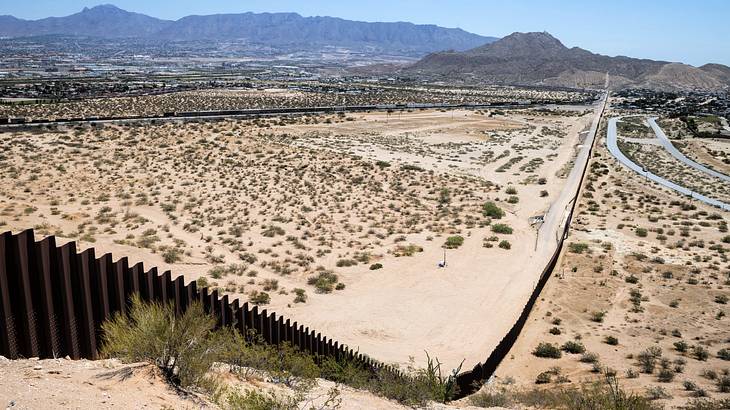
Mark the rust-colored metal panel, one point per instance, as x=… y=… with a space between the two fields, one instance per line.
x=133 y=279
x=22 y=246
x=163 y=287
x=100 y=291
x=8 y=333
x=66 y=256
x=46 y=251
x=85 y=312
x=118 y=286
x=147 y=285
x=178 y=294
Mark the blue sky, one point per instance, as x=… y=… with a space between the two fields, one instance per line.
x=695 y=32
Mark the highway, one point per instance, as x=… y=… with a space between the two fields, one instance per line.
x=664 y=141
x=553 y=227
x=611 y=143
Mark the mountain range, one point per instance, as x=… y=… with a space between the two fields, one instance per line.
x=270 y=29
x=541 y=59
x=520 y=58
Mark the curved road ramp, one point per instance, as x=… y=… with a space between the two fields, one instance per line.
x=667 y=144
x=612 y=144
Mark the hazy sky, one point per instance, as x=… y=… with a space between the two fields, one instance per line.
x=695 y=32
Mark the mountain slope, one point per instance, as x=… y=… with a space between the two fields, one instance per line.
x=100 y=21
x=539 y=58
x=291 y=28
x=269 y=29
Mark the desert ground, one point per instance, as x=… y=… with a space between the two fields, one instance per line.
x=641 y=290
x=109 y=384
x=337 y=222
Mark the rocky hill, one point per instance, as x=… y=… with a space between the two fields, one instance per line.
x=268 y=29
x=540 y=58
x=101 y=21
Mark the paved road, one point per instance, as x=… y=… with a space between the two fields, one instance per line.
x=678 y=154
x=616 y=152
x=552 y=228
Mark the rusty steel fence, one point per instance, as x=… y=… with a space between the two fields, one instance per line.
x=54 y=299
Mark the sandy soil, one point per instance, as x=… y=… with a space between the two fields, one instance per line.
x=109 y=384
x=262 y=206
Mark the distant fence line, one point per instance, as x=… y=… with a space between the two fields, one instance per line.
x=273 y=111
x=53 y=301
x=471 y=381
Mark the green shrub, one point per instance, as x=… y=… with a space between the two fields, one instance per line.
x=543 y=378
x=453 y=242
x=573 y=347
x=172 y=255
x=598 y=316
x=501 y=228
x=603 y=394
x=577 y=247
x=301 y=295
x=724 y=354
x=255 y=400
x=641 y=232
x=259 y=298
x=681 y=346
x=184 y=347
x=547 y=350
x=344 y=263
x=491 y=210
x=723 y=384
x=376 y=266
x=324 y=282
x=700 y=353
x=611 y=340
x=504 y=244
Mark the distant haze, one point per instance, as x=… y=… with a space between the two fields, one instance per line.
x=671 y=30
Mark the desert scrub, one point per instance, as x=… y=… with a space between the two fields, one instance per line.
x=184 y=347
x=504 y=244
x=301 y=295
x=407 y=250
x=578 y=247
x=259 y=298
x=502 y=228
x=324 y=282
x=491 y=210
x=376 y=266
x=573 y=347
x=420 y=387
x=344 y=263
x=605 y=393
x=256 y=400
x=172 y=255
x=453 y=242
x=547 y=350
